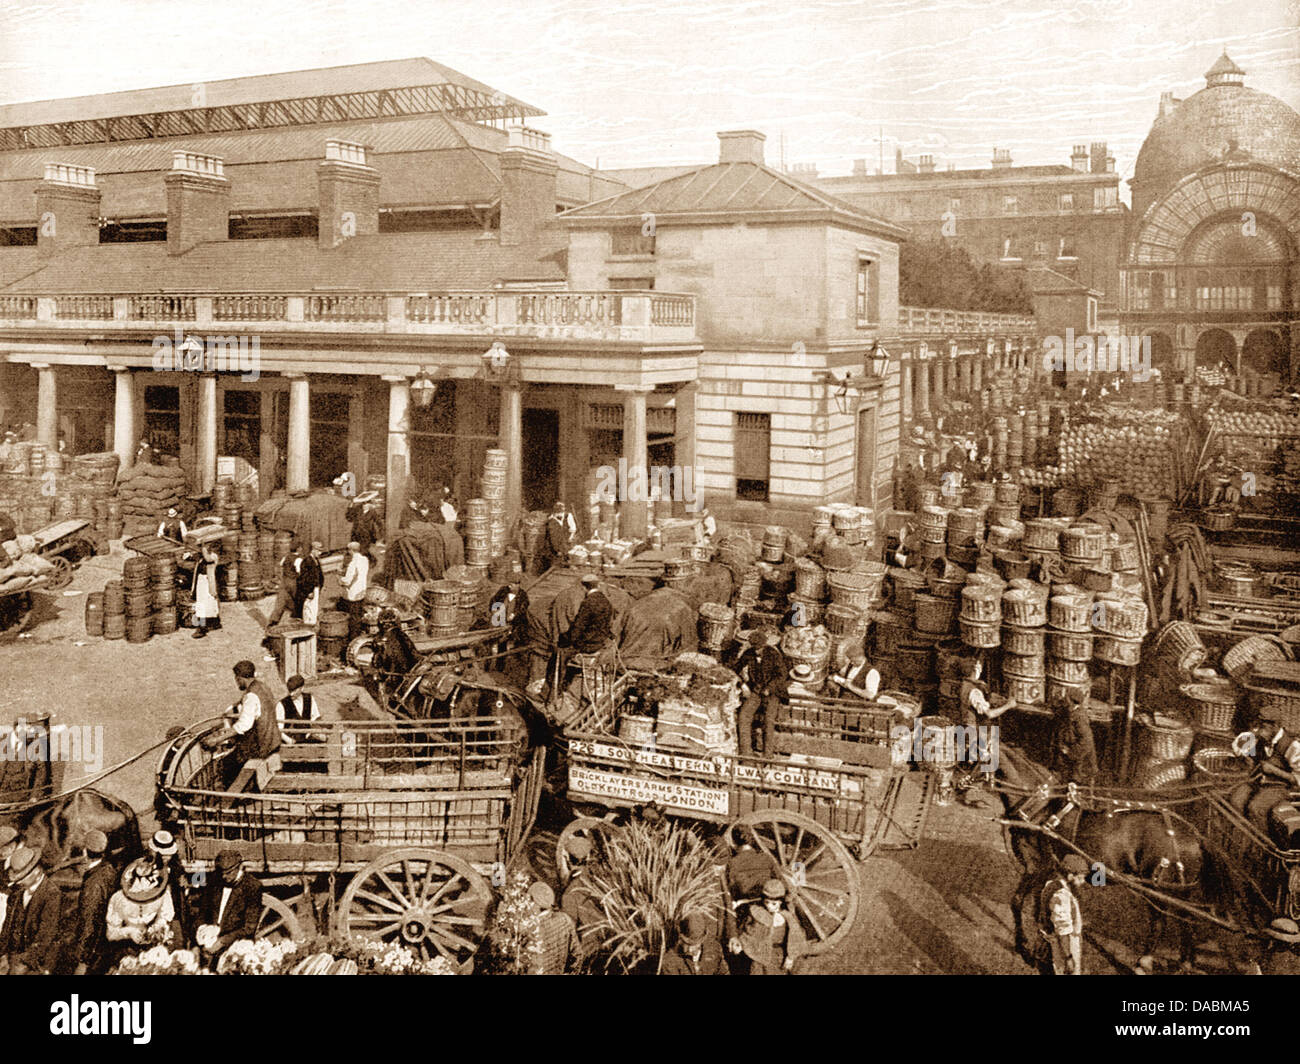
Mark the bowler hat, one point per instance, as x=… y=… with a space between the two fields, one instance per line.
x=774 y=888
x=542 y=894
x=1284 y=929
x=1074 y=864
x=229 y=860
x=590 y=580
x=24 y=862
x=7 y=835
x=694 y=930
x=163 y=843
x=143 y=881
x=94 y=841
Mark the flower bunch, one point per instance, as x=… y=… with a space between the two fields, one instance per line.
x=389 y=958
x=514 y=944
x=160 y=961
x=263 y=957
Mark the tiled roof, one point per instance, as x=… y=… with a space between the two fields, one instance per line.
x=738 y=188
x=383 y=262
x=358 y=77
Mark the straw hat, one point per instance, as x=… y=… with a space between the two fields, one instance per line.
x=143 y=882
x=24 y=863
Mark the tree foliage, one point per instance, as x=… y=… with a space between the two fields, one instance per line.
x=939 y=273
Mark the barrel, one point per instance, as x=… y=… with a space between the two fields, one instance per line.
x=229 y=582
x=138 y=604
x=332 y=623
x=95 y=613
x=163 y=597
x=139 y=629
x=114 y=626
x=135 y=569
x=248 y=551
x=114 y=599
x=223 y=493
x=164 y=621
x=162 y=571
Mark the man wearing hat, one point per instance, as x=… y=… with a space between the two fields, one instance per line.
x=172 y=527
x=311 y=578
x=164 y=853
x=367 y=528
x=1061 y=919
x=697 y=951
x=770 y=934
x=1074 y=751
x=557 y=538
x=231 y=906
x=763 y=669
x=254 y=729
x=286 y=598
x=98 y=884
x=297 y=707
x=31 y=932
x=593 y=628
x=1282 y=951
x=355 y=579
x=10 y=840
x=141 y=912
x=561 y=949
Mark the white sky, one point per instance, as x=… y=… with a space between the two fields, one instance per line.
x=643 y=83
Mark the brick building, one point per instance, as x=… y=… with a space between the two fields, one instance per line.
x=1210 y=269
x=1065 y=218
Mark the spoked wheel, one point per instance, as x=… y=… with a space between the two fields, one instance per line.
x=584 y=827
x=431 y=902
x=819 y=873
x=61 y=575
x=278 y=920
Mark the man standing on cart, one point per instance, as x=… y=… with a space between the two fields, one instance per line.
x=764 y=671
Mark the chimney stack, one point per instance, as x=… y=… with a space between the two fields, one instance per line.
x=1001 y=158
x=198 y=201
x=347 y=194
x=925 y=165
x=527 y=184
x=67 y=207
x=1079 y=159
x=741 y=146
x=1099 y=157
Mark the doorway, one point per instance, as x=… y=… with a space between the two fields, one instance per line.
x=541 y=458
x=866 y=473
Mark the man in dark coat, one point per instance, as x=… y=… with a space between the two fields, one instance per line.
x=287 y=597
x=556 y=539
x=593 y=627
x=697 y=952
x=31 y=933
x=310 y=576
x=89 y=954
x=231 y=907
x=1074 y=751
x=765 y=671
x=367 y=528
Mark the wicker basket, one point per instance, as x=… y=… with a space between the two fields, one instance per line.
x=981 y=605
x=809 y=579
x=861 y=591
x=934 y=614
x=717 y=624
x=844 y=620
x=1012 y=564
x=1025 y=666
x=1069 y=646
x=945 y=580
x=1042 y=534
x=1272 y=702
x=1083 y=543
x=1120 y=615
x=1026 y=609
x=1220 y=765
x=1026 y=690
x=1218 y=520
x=1178 y=648
x=1070 y=613
x=1017 y=639
x=980 y=633
x=1212 y=705
x=1153 y=773
x=906 y=583
x=888 y=632
x=1068 y=672
x=1057 y=689
x=1240 y=660
x=1166 y=739
x=1117 y=651
x=914 y=662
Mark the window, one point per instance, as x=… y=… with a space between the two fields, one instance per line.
x=18 y=236
x=1106 y=196
x=1009 y=250
x=1066 y=248
x=275 y=227
x=753 y=448
x=1066 y=202
x=954 y=204
x=329 y=436
x=632 y=242
x=867 y=291
x=1040 y=249
x=1010 y=205
x=1139 y=296
x=134 y=232
x=162 y=419
x=1157 y=291
x=242 y=410
x=631 y=284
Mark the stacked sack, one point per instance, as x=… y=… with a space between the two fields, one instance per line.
x=146 y=491
x=20 y=566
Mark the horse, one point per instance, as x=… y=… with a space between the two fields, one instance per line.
x=1153 y=846
x=55 y=827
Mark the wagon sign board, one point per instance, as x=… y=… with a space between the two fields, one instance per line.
x=640 y=790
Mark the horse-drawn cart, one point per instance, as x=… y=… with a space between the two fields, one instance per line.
x=1267 y=877
x=377 y=829
x=64 y=546
x=814 y=815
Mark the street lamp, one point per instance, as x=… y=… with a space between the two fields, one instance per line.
x=879 y=360
x=423 y=389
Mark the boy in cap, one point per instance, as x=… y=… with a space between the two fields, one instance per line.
x=98 y=884
x=771 y=935
x=561 y=949
x=1061 y=917
x=764 y=670
x=31 y=932
x=697 y=951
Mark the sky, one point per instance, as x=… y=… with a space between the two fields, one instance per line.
x=639 y=83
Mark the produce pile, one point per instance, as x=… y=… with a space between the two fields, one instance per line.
x=147 y=491
x=286 y=957
x=1275 y=428
x=20 y=566
x=806 y=642
x=1136 y=449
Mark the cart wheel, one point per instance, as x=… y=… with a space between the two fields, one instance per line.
x=821 y=876
x=278 y=920
x=432 y=902
x=583 y=827
x=61 y=574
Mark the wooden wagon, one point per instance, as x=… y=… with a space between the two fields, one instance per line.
x=1266 y=876
x=387 y=830
x=64 y=544
x=826 y=797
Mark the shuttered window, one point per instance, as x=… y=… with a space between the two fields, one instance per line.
x=866 y=294
x=753 y=450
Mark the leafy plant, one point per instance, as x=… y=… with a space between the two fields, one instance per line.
x=649 y=880
x=513 y=944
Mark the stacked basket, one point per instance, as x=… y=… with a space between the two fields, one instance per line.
x=1119 y=623
x=495 y=465
x=1069 y=644
x=1024 y=644
x=981 y=616
x=478 y=532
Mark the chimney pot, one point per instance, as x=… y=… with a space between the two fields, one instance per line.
x=741 y=146
x=190 y=162
x=345 y=151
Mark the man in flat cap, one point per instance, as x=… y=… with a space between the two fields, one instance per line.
x=1061 y=918
x=31 y=932
x=354 y=581
x=231 y=907
x=697 y=951
x=98 y=884
x=561 y=950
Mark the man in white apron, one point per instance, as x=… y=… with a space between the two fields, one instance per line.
x=207 y=610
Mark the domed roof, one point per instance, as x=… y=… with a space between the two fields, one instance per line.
x=1225 y=121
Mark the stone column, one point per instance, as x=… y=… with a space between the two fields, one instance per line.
x=636 y=452
x=123 y=415
x=977 y=373
x=297 y=472
x=399 y=447
x=922 y=388
x=205 y=444
x=511 y=439
x=938 y=380
x=47 y=405
x=964 y=374
x=905 y=400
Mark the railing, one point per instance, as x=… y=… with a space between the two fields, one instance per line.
x=83 y=308
x=941 y=320
x=346 y=306
x=616 y=315
x=161 y=308
x=250 y=308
